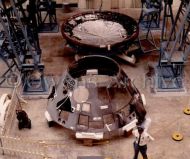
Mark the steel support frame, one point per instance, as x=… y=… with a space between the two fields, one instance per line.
x=168 y=16
x=31 y=50
x=46 y=16
x=170 y=71
x=149 y=20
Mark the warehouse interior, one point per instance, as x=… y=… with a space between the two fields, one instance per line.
x=77 y=77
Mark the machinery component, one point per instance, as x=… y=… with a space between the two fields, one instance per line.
x=23 y=120
x=23 y=45
x=150 y=13
x=174 y=52
x=177 y=136
x=9 y=76
x=32 y=24
x=104 y=32
x=46 y=16
x=95 y=99
x=167 y=17
x=33 y=80
x=149 y=20
x=7 y=53
x=52 y=94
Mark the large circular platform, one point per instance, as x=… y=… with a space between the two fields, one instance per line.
x=100 y=30
x=96 y=99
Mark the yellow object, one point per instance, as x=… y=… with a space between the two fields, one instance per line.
x=187 y=111
x=177 y=136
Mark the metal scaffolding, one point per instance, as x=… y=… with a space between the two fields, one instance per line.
x=46 y=16
x=149 y=20
x=23 y=46
x=168 y=19
x=174 y=52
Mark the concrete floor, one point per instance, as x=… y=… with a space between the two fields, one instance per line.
x=165 y=110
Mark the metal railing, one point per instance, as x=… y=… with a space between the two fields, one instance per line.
x=22 y=148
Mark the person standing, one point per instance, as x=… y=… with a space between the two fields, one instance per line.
x=140 y=143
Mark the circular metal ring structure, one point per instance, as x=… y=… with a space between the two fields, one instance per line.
x=96 y=99
x=105 y=30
